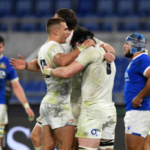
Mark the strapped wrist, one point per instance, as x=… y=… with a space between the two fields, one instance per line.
x=26 y=105
x=26 y=66
x=81 y=47
x=47 y=71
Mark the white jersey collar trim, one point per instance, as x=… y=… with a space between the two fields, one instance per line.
x=139 y=56
x=1 y=56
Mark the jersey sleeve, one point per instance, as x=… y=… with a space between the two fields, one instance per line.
x=88 y=56
x=144 y=66
x=55 y=49
x=12 y=74
x=98 y=42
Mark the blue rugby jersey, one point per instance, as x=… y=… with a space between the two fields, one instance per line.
x=6 y=73
x=135 y=81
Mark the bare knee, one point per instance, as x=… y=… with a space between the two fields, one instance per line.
x=35 y=138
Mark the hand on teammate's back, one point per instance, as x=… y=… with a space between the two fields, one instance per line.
x=19 y=64
x=136 y=102
x=30 y=114
x=89 y=42
x=109 y=57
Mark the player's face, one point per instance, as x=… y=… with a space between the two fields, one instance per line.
x=1 y=48
x=63 y=32
x=127 y=50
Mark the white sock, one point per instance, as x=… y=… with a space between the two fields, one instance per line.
x=86 y=148
x=36 y=148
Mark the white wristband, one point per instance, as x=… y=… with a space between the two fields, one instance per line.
x=81 y=47
x=48 y=71
x=26 y=105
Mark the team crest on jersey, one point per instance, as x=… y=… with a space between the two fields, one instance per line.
x=2 y=65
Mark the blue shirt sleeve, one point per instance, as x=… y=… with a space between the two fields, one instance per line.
x=143 y=64
x=12 y=74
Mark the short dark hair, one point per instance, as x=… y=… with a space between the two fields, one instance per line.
x=69 y=16
x=80 y=35
x=2 y=40
x=53 y=21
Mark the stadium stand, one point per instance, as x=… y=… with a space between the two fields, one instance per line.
x=38 y=9
x=104 y=11
x=125 y=8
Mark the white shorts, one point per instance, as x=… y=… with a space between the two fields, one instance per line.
x=56 y=116
x=39 y=121
x=76 y=108
x=137 y=122
x=103 y=128
x=3 y=114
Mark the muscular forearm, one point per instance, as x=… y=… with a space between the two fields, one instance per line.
x=33 y=66
x=108 y=48
x=61 y=72
x=68 y=58
x=146 y=90
x=19 y=93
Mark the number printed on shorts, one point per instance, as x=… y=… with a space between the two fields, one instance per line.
x=108 y=68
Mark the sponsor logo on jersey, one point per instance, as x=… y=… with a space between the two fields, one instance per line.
x=126 y=77
x=2 y=65
x=2 y=74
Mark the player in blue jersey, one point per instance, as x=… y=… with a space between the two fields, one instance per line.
x=137 y=93
x=8 y=73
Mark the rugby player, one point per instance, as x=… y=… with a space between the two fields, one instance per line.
x=137 y=93
x=21 y=64
x=97 y=118
x=7 y=73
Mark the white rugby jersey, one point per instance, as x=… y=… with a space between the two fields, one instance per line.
x=97 y=83
x=58 y=90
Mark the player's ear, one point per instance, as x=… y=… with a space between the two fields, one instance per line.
x=55 y=32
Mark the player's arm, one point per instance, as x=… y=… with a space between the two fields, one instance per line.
x=21 y=64
x=61 y=59
x=18 y=91
x=68 y=71
x=108 y=48
x=145 y=91
x=110 y=51
x=83 y=60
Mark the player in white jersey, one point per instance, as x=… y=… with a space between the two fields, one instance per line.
x=76 y=86
x=97 y=119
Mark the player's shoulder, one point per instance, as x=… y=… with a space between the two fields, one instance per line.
x=142 y=57
x=5 y=59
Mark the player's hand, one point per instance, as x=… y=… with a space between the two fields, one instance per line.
x=46 y=67
x=109 y=57
x=30 y=114
x=136 y=102
x=19 y=64
x=89 y=42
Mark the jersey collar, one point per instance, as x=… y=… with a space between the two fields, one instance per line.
x=139 y=56
x=1 y=56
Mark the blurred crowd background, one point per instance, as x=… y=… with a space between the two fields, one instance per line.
x=23 y=25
